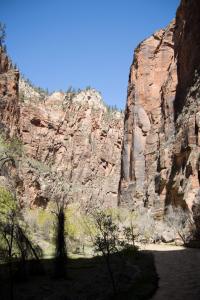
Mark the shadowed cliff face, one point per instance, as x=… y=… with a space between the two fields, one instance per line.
x=187 y=37
x=160 y=156
x=187 y=108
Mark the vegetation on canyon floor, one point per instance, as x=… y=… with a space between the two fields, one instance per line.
x=93 y=255
x=44 y=245
x=89 y=254
x=120 y=268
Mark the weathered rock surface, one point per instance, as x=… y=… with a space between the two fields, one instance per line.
x=9 y=109
x=29 y=93
x=9 y=120
x=186 y=152
x=151 y=93
x=70 y=138
x=75 y=138
x=160 y=156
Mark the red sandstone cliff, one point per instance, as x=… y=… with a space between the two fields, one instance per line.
x=160 y=156
x=67 y=137
x=76 y=138
x=9 y=109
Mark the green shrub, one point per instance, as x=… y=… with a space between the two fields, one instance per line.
x=41 y=222
x=7 y=204
x=40 y=166
x=12 y=148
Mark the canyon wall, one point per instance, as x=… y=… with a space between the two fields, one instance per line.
x=9 y=122
x=73 y=140
x=160 y=155
x=9 y=108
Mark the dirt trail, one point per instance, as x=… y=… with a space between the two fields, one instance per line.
x=179 y=272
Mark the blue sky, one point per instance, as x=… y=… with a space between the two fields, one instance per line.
x=79 y=43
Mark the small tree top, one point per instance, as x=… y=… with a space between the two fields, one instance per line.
x=2 y=33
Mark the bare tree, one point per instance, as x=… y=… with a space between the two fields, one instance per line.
x=7 y=236
x=178 y=220
x=106 y=241
x=26 y=251
x=15 y=244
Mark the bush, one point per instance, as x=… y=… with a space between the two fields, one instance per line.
x=178 y=220
x=15 y=244
x=41 y=222
x=10 y=149
x=7 y=204
x=138 y=225
x=79 y=228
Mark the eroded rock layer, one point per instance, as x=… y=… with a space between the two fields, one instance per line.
x=72 y=137
x=160 y=156
x=9 y=108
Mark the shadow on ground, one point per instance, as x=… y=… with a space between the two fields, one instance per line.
x=86 y=278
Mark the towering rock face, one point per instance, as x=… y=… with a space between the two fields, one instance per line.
x=69 y=139
x=9 y=120
x=9 y=109
x=73 y=138
x=186 y=152
x=148 y=119
x=160 y=156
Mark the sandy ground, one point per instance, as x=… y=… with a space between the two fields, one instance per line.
x=179 y=272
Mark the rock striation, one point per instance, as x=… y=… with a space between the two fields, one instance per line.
x=9 y=108
x=160 y=155
x=75 y=138
x=71 y=138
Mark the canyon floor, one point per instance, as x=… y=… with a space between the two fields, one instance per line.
x=86 y=279
x=178 y=269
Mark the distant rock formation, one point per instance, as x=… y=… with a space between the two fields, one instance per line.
x=74 y=136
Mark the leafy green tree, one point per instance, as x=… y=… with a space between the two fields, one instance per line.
x=7 y=204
